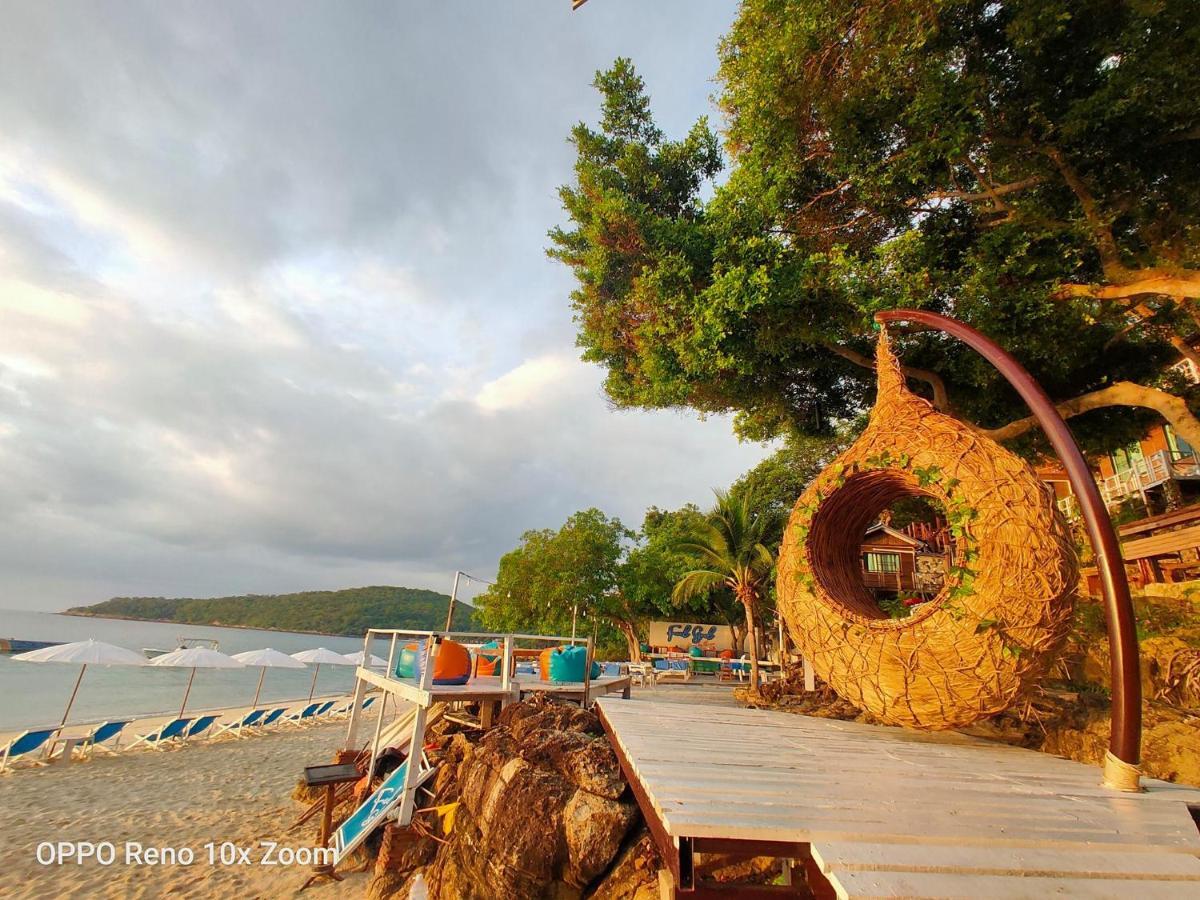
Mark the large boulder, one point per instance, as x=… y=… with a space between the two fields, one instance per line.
x=543 y=808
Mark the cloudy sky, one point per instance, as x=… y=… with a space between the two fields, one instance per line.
x=274 y=308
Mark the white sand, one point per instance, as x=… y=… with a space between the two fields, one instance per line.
x=227 y=790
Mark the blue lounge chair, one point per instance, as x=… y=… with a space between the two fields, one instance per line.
x=249 y=720
x=272 y=716
x=172 y=731
x=200 y=726
x=101 y=735
x=325 y=707
x=304 y=716
x=368 y=702
x=24 y=743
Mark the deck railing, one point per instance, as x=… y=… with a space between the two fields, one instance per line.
x=1148 y=472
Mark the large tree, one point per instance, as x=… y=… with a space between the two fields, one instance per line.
x=1030 y=167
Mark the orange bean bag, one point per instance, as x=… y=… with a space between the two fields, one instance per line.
x=452 y=665
x=544 y=662
x=487 y=663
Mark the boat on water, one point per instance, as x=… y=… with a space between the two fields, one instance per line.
x=184 y=643
x=16 y=645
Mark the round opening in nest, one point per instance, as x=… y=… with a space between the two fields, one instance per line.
x=841 y=561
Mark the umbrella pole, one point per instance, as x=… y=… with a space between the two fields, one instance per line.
x=261 y=676
x=74 y=691
x=313 y=688
x=183 y=705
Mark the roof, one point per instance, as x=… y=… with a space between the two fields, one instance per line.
x=887 y=529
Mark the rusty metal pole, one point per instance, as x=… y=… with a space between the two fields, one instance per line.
x=1125 y=737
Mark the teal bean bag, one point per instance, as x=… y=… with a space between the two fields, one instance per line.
x=567 y=663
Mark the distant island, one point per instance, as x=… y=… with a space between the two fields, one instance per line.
x=347 y=612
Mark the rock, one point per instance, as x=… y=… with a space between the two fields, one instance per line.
x=543 y=808
x=595 y=827
x=634 y=876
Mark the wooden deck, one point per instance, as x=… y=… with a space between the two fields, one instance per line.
x=884 y=812
x=573 y=690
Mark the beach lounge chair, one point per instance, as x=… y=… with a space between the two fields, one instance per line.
x=162 y=737
x=23 y=744
x=100 y=736
x=249 y=720
x=324 y=708
x=303 y=717
x=272 y=717
x=199 y=726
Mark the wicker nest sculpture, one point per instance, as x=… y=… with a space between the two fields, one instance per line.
x=1008 y=597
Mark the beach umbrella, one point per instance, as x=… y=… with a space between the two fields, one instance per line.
x=357 y=659
x=320 y=657
x=83 y=654
x=266 y=658
x=195 y=658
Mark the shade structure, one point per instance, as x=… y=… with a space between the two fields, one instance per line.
x=195 y=658
x=266 y=658
x=83 y=654
x=357 y=659
x=320 y=656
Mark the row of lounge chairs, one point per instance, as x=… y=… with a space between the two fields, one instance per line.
x=106 y=737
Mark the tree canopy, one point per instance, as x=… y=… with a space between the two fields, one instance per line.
x=1032 y=168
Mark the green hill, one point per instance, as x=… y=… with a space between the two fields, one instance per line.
x=351 y=611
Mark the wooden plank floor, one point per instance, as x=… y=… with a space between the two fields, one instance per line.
x=890 y=812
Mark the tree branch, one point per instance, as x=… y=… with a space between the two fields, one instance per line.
x=1123 y=393
x=941 y=399
x=1179 y=285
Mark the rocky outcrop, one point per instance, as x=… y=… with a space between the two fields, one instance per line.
x=543 y=811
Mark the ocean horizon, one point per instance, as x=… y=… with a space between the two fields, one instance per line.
x=35 y=694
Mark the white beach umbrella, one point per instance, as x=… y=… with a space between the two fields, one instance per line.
x=195 y=658
x=357 y=659
x=83 y=654
x=266 y=658
x=320 y=657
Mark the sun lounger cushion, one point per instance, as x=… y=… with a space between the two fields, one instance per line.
x=567 y=664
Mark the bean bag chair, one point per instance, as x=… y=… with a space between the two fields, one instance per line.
x=695 y=653
x=408 y=661
x=451 y=666
x=544 y=663
x=726 y=654
x=488 y=663
x=567 y=664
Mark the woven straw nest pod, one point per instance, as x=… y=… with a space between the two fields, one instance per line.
x=1007 y=601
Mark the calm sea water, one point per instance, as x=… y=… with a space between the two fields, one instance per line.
x=36 y=693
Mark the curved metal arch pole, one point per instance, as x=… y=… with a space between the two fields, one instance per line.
x=1125 y=737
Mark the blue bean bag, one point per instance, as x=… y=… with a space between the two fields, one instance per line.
x=567 y=664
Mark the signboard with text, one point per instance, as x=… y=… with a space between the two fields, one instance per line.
x=686 y=635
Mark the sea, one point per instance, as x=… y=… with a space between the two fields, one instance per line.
x=33 y=694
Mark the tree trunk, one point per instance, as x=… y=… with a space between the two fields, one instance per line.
x=631 y=639
x=1123 y=393
x=750 y=632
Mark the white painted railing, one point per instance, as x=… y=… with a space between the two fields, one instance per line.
x=1149 y=472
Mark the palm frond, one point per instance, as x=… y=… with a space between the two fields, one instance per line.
x=695 y=583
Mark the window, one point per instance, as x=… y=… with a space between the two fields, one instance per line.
x=882 y=563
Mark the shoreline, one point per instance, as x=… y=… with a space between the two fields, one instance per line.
x=84 y=615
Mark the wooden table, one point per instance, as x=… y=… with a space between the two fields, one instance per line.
x=872 y=811
x=330 y=776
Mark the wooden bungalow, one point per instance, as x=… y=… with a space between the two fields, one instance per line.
x=889 y=559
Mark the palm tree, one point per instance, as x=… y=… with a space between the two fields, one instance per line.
x=731 y=550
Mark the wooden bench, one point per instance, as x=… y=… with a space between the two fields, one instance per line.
x=1149 y=554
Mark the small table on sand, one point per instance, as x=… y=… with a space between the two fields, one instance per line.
x=331 y=777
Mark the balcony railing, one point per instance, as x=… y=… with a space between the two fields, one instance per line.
x=1151 y=471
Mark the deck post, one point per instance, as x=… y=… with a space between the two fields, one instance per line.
x=416 y=747
x=1125 y=738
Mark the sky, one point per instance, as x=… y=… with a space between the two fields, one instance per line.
x=275 y=312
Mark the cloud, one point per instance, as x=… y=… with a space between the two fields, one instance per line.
x=274 y=308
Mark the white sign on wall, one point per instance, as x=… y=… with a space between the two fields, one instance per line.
x=691 y=634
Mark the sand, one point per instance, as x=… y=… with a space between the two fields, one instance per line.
x=226 y=790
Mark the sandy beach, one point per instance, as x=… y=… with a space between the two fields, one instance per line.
x=233 y=791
